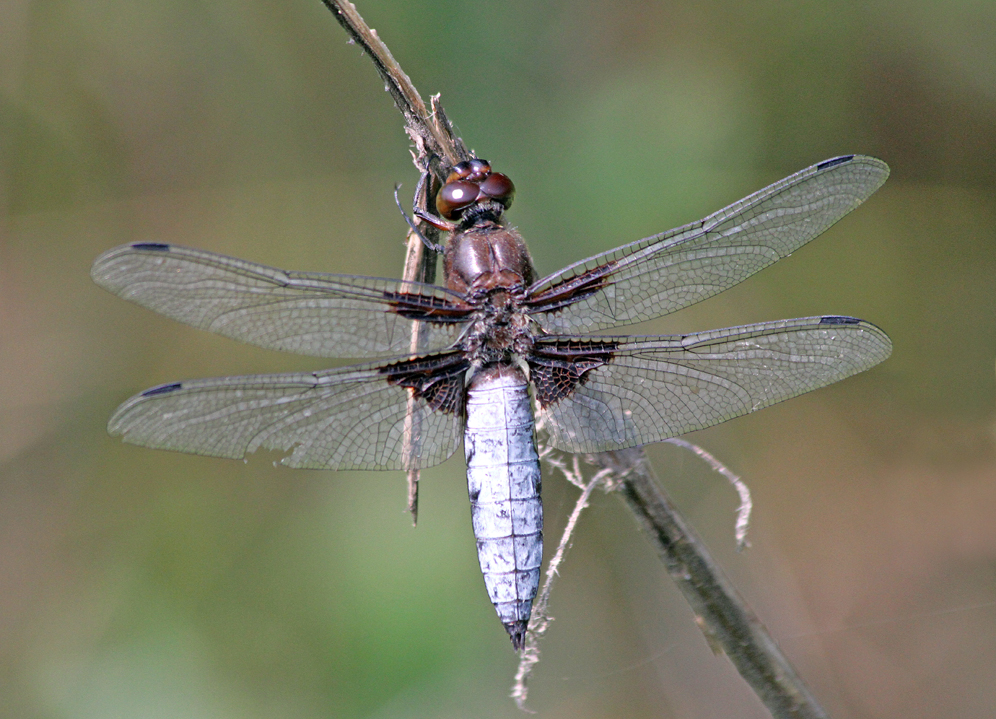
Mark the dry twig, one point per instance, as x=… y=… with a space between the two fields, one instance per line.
x=436 y=149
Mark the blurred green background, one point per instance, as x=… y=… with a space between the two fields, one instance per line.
x=136 y=583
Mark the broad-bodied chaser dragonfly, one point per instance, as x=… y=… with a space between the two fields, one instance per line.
x=490 y=334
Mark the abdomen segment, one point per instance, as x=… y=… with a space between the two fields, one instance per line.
x=503 y=480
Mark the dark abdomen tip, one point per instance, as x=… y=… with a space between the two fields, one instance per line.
x=517 y=633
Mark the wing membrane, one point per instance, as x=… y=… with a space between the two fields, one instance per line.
x=348 y=418
x=664 y=273
x=647 y=389
x=321 y=315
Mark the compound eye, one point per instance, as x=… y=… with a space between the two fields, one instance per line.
x=499 y=188
x=479 y=169
x=474 y=170
x=460 y=171
x=455 y=197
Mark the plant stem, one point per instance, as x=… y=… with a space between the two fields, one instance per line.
x=720 y=611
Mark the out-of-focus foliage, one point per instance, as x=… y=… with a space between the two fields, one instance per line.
x=146 y=584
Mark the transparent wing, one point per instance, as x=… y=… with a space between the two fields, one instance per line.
x=664 y=273
x=321 y=315
x=349 y=418
x=606 y=393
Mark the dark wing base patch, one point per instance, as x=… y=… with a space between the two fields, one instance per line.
x=426 y=308
x=571 y=290
x=438 y=379
x=558 y=367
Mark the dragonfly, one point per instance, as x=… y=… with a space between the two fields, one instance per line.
x=496 y=347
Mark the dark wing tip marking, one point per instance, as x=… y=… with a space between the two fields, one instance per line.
x=162 y=389
x=834 y=161
x=839 y=320
x=151 y=246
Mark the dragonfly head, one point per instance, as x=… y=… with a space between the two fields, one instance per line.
x=473 y=192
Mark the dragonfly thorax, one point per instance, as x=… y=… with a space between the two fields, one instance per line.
x=487 y=257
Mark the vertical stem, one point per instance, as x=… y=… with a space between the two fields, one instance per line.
x=420 y=266
x=433 y=136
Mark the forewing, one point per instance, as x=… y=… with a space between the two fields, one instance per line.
x=349 y=418
x=664 y=273
x=605 y=393
x=321 y=315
